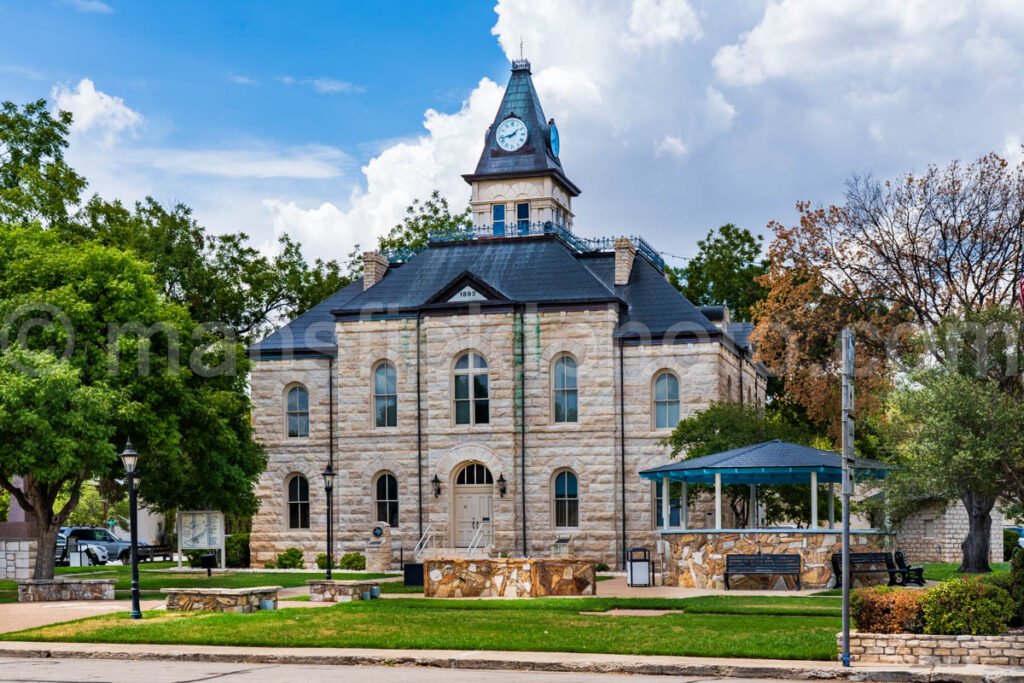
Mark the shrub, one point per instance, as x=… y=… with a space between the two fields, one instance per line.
x=270 y=564
x=321 y=562
x=966 y=607
x=352 y=561
x=192 y=557
x=290 y=559
x=1011 y=538
x=236 y=550
x=600 y=567
x=1016 y=587
x=882 y=609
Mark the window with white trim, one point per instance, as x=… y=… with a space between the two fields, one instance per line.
x=566 y=500
x=666 y=400
x=470 y=394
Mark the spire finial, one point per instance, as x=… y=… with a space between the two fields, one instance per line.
x=520 y=46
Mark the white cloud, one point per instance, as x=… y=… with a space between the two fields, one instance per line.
x=653 y=22
x=670 y=145
x=242 y=80
x=95 y=111
x=90 y=6
x=332 y=85
x=1013 y=150
x=306 y=163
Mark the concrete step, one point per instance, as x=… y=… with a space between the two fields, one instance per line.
x=456 y=553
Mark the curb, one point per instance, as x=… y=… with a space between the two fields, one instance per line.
x=515 y=661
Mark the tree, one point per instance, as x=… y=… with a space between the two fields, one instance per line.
x=724 y=426
x=725 y=271
x=172 y=386
x=957 y=437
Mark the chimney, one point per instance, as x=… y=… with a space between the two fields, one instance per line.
x=625 y=254
x=374 y=267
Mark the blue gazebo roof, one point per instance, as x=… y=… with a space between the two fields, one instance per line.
x=771 y=462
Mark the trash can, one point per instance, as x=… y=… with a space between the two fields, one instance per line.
x=639 y=568
x=412 y=574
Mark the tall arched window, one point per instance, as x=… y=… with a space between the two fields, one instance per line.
x=385 y=395
x=565 y=390
x=470 y=397
x=298 y=502
x=386 y=499
x=297 y=410
x=666 y=400
x=567 y=500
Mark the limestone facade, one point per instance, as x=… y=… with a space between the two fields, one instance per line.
x=934 y=534
x=17 y=558
x=521 y=443
x=918 y=649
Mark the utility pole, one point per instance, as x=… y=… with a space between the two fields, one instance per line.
x=847 y=486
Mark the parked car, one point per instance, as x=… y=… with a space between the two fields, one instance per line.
x=94 y=554
x=1020 y=534
x=116 y=548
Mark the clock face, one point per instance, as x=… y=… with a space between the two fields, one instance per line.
x=511 y=134
x=554 y=140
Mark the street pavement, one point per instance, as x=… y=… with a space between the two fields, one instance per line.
x=14 y=670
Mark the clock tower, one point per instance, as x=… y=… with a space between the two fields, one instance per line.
x=519 y=180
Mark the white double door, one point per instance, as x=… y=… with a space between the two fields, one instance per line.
x=473 y=510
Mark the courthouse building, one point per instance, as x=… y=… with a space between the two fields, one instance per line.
x=503 y=387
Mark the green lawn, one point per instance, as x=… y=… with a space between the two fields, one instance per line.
x=940 y=571
x=719 y=626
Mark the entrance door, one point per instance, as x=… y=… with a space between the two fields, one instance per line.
x=472 y=501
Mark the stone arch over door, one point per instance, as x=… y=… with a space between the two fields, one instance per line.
x=468 y=505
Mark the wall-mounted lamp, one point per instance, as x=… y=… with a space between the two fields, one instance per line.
x=502 y=485
x=437 y=486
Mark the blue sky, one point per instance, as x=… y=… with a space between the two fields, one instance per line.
x=325 y=119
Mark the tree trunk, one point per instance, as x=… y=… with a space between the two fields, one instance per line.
x=46 y=548
x=976 y=546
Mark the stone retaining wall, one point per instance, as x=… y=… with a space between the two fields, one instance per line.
x=51 y=590
x=237 y=600
x=324 y=590
x=17 y=558
x=912 y=648
x=508 y=578
x=697 y=558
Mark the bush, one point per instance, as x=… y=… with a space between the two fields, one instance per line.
x=290 y=559
x=321 y=562
x=966 y=607
x=236 y=550
x=882 y=609
x=192 y=557
x=352 y=561
x=1016 y=587
x=1011 y=538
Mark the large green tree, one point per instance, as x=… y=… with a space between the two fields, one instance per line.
x=724 y=271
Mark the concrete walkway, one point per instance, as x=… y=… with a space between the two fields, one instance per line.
x=17 y=616
x=520 y=661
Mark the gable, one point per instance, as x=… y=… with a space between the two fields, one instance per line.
x=467 y=288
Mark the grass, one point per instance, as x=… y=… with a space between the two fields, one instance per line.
x=940 y=571
x=718 y=626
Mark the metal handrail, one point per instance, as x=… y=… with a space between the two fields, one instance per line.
x=474 y=543
x=421 y=545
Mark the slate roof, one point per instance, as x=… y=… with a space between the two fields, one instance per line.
x=310 y=333
x=767 y=462
x=533 y=158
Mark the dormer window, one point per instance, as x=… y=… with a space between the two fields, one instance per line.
x=523 y=218
x=498 y=219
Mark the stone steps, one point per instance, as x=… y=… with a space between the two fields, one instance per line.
x=456 y=553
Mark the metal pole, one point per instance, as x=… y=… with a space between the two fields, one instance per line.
x=847 y=490
x=133 y=512
x=330 y=531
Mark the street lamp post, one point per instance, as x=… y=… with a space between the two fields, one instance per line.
x=130 y=459
x=329 y=489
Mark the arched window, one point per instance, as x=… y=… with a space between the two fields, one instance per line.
x=564 y=389
x=470 y=398
x=298 y=502
x=567 y=500
x=474 y=474
x=666 y=401
x=297 y=411
x=385 y=395
x=386 y=499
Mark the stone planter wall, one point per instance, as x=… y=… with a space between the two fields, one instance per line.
x=17 y=558
x=51 y=590
x=912 y=648
x=322 y=590
x=508 y=578
x=697 y=558
x=237 y=600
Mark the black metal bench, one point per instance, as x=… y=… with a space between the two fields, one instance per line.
x=874 y=563
x=773 y=565
x=914 y=573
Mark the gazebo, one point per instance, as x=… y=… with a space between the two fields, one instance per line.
x=697 y=555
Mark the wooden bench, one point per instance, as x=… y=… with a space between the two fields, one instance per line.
x=149 y=554
x=764 y=565
x=873 y=563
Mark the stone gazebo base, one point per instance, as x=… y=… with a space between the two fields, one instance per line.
x=697 y=557
x=509 y=578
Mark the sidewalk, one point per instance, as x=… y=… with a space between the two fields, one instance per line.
x=523 y=661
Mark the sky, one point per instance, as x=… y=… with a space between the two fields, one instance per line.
x=325 y=120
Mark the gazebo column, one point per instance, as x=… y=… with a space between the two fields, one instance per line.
x=718 y=500
x=684 y=512
x=666 y=510
x=752 y=513
x=814 y=500
x=831 y=505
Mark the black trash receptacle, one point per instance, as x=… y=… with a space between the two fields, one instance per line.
x=639 y=568
x=208 y=561
x=412 y=573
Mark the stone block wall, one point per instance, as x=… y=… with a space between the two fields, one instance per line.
x=52 y=590
x=508 y=578
x=237 y=600
x=697 y=559
x=17 y=558
x=934 y=534
x=324 y=590
x=918 y=649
